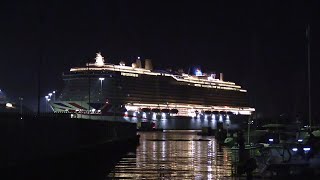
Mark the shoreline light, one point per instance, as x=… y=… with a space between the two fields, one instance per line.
x=306 y=149
x=9 y=105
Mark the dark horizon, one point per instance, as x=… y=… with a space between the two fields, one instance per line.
x=260 y=46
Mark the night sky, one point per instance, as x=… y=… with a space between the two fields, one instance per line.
x=260 y=45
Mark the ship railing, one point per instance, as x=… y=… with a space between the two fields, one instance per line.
x=207 y=84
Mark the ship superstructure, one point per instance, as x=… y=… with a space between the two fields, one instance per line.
x=107 y=90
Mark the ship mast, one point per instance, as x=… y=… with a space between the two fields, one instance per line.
x=309 y=69
x=89 y=91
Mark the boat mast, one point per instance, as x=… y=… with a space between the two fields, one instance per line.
x=309 y=76
x=89 y=91
x=40 y=60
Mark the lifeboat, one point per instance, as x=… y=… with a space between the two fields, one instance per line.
x=145 y=109
x=215 y=112
x=165 y=110
x=174 y=111
x=223 y=113
x=229 y=113
x=155 y=110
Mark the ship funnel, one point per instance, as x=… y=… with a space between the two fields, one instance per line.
x=99 y=59
x=148 y=64
x=138 y=62
x=221 y=76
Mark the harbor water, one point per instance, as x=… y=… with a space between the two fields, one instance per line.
x=175 y=155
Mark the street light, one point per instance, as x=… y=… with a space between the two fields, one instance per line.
x=50 y=94
x=47 y=99
x=101 y=79
x=54 y=96
x=48 y=104
x=21 y=99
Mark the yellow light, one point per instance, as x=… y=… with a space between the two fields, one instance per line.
x=129 y=74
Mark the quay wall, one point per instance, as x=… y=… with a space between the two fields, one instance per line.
x=30 y=137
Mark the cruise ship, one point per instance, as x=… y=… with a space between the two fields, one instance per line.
x=107 y=91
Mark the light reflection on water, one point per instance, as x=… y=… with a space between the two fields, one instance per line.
x=175 y=155
x=179 y=123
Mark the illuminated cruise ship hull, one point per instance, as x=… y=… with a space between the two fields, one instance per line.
x=109 y=91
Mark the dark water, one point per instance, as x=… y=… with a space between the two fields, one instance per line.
x=174 y=155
